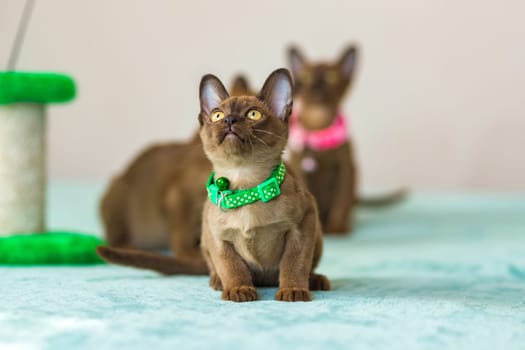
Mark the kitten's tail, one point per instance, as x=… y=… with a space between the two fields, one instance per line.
x=166 y=265
x=383 y=200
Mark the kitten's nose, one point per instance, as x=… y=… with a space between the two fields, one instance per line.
x=318 y=83
x=230 y=120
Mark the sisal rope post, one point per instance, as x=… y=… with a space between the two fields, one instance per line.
x=22 y=168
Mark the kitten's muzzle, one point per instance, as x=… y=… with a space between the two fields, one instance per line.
x=318 y=85
x=232 y=133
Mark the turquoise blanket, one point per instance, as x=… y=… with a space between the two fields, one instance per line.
x=437 y=272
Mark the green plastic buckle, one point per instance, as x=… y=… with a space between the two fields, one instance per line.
x=216 y=196
x=269 y=189
x=212 y=191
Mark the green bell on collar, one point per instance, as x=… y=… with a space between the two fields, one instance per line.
x=222 y=183
x=220 y=195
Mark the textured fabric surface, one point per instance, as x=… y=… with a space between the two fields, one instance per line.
x=437 y=272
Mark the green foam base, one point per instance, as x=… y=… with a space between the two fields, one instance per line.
x=49 y=248
x=36 y=87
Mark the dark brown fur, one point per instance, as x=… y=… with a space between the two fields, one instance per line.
x=320 y=88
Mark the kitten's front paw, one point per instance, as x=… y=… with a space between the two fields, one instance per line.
x=240 y=294
x=215 y=282
x=293 y=294
x=319 y=282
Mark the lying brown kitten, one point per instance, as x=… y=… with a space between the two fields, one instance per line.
x=260 y=224
x=320 y=147
x=157 y=202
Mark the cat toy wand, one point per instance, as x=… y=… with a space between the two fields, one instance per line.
x=20 y=34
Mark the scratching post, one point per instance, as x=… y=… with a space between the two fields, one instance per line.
x=22 y=168
x=23 y=100
x=24 y=237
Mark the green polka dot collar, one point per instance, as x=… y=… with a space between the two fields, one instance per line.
x=220 y=195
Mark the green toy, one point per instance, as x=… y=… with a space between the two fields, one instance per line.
x=51 y=248
x=35 y=87
x=23 y=236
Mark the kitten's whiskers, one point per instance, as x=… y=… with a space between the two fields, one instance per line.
x=271 y=133
x=259 y=139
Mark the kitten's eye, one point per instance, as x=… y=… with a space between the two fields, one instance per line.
x=331 y=76
x=254 y=114
x=306 y=77
x=216 y=116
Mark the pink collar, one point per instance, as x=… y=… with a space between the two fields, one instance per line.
x=320 y=140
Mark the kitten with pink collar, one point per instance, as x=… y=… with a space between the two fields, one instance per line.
x=320 y=147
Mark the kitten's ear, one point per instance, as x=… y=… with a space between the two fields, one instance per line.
x=240 y=86
x=276 y=93
x=295 y=60
x=347 y=61
x=212 y=92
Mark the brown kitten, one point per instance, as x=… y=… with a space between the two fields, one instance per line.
x=329 y=173
x=260 y=244
x=276 y=243
x=157 y=202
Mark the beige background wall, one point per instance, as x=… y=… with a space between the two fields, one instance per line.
x=439 y=101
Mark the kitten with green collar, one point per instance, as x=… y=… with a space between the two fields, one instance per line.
x=260 y=224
